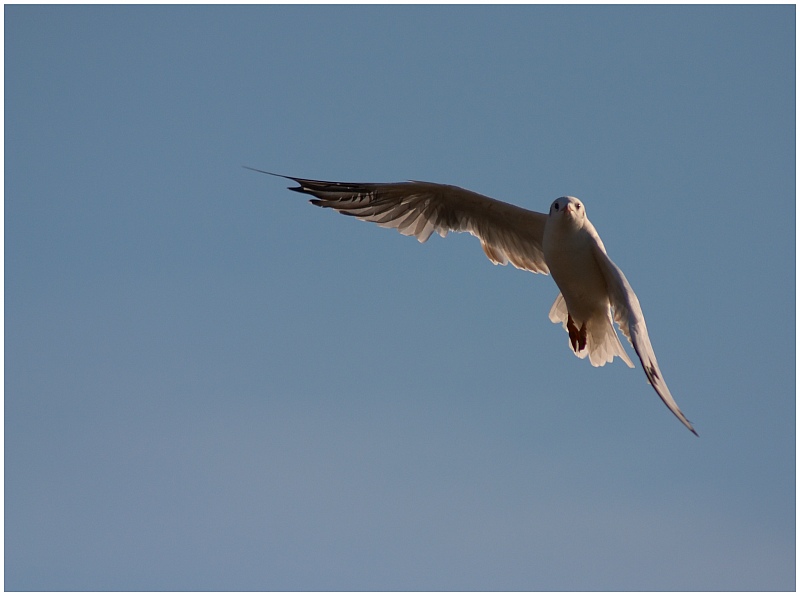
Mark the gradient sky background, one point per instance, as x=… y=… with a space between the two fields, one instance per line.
x=211 y=384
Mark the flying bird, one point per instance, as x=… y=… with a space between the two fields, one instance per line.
x=594 y=292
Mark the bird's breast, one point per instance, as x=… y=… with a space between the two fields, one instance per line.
x=570 y=258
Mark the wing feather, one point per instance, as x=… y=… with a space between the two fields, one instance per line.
x=508 y=234
x=630 y=318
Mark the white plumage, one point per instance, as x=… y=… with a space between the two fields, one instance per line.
x=594 y=291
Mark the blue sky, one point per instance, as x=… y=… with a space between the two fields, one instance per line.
x=210 y=384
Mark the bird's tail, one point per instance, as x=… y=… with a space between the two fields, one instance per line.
x=602 y=342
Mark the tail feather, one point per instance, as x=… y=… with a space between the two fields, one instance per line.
x=602 y=341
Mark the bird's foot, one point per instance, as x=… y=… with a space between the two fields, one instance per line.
x=577 y=337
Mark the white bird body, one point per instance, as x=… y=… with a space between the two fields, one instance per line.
x=569 y=247
x=570 y=244
x=594 y=291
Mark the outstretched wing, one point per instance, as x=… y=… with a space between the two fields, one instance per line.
x=508 y=234
x=628 y=315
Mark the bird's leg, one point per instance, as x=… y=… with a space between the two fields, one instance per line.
x=577 y=337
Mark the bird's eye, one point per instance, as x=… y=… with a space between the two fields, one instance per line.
x=577 y=205
x=555 y=206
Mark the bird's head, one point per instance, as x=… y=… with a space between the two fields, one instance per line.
x=568 y=210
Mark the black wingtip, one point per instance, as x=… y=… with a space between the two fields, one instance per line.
x=294 y=188
x=687 y=424
x=265 y=172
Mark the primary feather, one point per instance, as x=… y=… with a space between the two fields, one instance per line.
x=508 y=234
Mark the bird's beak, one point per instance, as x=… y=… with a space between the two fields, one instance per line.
x=568 y=209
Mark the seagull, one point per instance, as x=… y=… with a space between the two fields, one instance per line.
x=594 y=293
